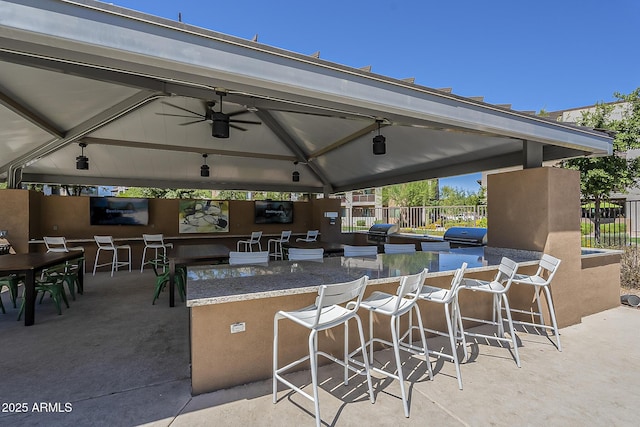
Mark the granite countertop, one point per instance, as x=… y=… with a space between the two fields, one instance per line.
x=230 y=283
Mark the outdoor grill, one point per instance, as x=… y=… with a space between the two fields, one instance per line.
x=466 y=236
x=379 y=234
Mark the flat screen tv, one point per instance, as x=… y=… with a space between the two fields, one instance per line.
x=118 y=211
x=274 y=212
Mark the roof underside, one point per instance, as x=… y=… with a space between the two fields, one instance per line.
x=126 y=83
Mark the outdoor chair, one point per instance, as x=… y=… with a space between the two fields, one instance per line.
x=435 y=246
x=335 y=305
x=449 y=299
x=59 y=244
x=360 y=250
x=105 y=243
x=498 y=288
x=11 y=282
x=253 y=240
x=53 y=284
x=394 y=306
x=155 y=242
x=312 y=236
x=540 y=281
x=296 y=254
x=399 y=248
x=248 y=257
x=277 y=244
x=160 y=269
x=73 y=281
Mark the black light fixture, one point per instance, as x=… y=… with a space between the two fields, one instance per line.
x=295 y=176
x=204 y=169
x=82 y=161
x=379 y=147
x=219 y=121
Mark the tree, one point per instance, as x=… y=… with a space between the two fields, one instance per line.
x=601 y=176
x=163 y=193
x=418 y=193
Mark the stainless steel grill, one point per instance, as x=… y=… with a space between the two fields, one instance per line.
x=466 y=236
x=379 y=233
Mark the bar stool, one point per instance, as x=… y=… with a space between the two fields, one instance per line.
x=105 y=243
x=253 y=240
x=312 y=236
x=59 y=244
x=498 y=288
x=248 y=257
x=277 y=244
x=541 y=280
x=298 y=254
x=399 y=248
x=371 y=251
x=395 y=306
x=327 y=312
x=449 y=299
x=155 y=242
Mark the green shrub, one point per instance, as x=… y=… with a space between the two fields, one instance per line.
x=586 y=228
x=361 y=223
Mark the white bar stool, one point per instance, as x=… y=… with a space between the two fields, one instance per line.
x=395 y=306
x=155 y=242
x=277 y=245
x=399 y=248
x=105 y=243
x=449 y=299
x=498 y=288
x=253 y=240
x=541 y=280
x=327 y=312
x=312 y=236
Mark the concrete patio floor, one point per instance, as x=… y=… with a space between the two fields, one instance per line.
x=114 y=359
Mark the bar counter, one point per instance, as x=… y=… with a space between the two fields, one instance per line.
x=229 y=283
x=232 y=307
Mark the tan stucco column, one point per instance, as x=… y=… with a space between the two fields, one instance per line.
x=539 y=209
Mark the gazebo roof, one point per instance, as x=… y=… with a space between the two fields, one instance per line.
x=125 y=83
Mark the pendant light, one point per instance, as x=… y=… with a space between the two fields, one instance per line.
x=379 y=146
x=295 y=176
x=82 y=161
x=204 y=169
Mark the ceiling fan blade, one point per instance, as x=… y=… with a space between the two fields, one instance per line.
x=183 y=109
x=192 y=122
x=174 y=115
x=231 y=125
x=249 y=122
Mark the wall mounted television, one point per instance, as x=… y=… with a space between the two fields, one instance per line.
x=118 y=211
x=273 y=212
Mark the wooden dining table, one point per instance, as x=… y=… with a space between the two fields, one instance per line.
x=29 y=265
x=189 y=255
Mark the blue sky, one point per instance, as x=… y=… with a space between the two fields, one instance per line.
x=533 y=55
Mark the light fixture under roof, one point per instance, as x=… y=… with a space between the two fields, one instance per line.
x=204 y=169
x=295 y=176
x=379 y=146
x=82 y=161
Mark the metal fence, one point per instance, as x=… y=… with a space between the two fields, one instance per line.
x=421 y=219
x=619 y=220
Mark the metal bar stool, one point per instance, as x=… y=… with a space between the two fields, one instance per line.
x=395 y=306
x=540 y=281
x=498 y=288
x=327 y=312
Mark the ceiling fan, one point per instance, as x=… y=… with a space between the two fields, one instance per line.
x=220 y=121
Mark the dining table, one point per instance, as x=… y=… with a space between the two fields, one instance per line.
x=185 y=255
x=29 y=265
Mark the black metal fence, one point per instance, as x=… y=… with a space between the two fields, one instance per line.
x=618 y=224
